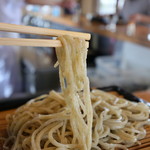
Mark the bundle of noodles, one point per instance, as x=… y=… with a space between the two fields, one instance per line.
x=59 y=121
x=117 y=122
x=75 y=118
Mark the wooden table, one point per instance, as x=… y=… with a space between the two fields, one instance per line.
x=145 y=142
x=140 y=37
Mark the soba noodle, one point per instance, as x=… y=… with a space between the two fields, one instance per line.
x=76 y=118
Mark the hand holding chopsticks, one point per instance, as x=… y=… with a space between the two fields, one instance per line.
x=37 y=31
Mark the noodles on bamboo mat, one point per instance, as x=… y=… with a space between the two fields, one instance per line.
x=75 y=118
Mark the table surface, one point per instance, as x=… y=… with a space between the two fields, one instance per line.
x=139 y=37
x=145 y=142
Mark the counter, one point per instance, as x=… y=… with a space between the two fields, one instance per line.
x=141 y=35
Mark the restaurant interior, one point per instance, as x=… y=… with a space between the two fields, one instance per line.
x=118 y=54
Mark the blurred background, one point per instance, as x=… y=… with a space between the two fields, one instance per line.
x=119 y=52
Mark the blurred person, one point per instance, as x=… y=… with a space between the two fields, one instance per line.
x=69 y=6
x=133 y=12
x=10 y=72
x=137 y=11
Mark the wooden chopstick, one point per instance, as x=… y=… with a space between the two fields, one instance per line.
x=41 y=31
x=31 y=42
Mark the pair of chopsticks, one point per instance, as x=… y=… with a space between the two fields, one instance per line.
x=37 y=31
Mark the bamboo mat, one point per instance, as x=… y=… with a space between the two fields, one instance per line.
x=145 y=143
